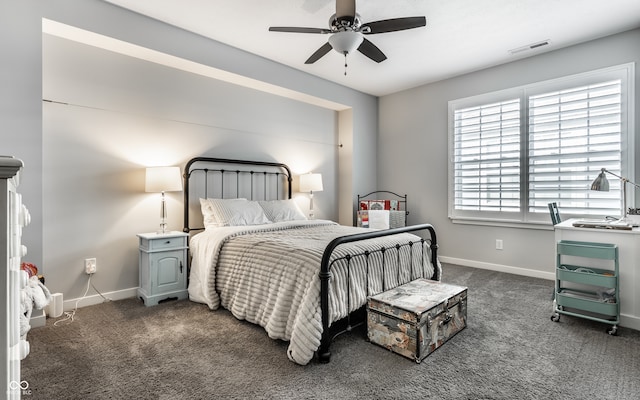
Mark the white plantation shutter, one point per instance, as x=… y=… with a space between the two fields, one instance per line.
x=573 y=133
x=487 y=157
x=513 y=152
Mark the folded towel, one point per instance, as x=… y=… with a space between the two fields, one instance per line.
x=379 y=219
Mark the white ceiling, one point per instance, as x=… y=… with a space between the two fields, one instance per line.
x=461 y=35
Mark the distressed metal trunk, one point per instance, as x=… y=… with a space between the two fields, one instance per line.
x=416 y=318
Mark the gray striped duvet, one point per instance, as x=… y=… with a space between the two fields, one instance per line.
x=268 y=275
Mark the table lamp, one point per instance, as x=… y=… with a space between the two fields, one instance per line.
x=311 y=183
x=160 y=180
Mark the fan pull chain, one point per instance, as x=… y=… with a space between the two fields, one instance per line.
x=345 y=63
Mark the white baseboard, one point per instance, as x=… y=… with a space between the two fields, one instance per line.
x=92 y=300
x=630 y=321
x=38 y=318
x=498 y=267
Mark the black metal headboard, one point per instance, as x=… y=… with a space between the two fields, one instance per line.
x=222 y=178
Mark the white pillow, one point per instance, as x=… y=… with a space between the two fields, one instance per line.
x=282 y=210
x=232 y=212
x=208 y=215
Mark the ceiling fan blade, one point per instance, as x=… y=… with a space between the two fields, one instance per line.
x=393 y=25
x=372 y=51
x=319 y=53
x=345 y=8
x=293 y=29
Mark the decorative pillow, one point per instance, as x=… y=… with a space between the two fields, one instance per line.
x=208 y=216
x=232 y=212
x=282 y=210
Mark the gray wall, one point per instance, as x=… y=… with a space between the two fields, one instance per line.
x=85 y=159
x=413 y=156
x=113 y=115
x=21 y=107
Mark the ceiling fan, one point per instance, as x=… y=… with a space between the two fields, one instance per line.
x=347 y=32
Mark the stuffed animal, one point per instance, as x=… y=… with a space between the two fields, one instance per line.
x=29 y=268
x=35 y=294
x=26 y=306
x=38 y=292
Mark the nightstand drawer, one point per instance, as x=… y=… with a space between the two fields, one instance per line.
x=167 y=243
x=158 y=242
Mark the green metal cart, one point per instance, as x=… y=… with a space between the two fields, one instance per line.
x=585 y=291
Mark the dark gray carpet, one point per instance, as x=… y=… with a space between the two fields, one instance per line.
x=180 y=350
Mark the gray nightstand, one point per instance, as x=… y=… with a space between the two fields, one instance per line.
x=163 y=267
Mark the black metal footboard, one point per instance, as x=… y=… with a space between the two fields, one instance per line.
x=328 y=334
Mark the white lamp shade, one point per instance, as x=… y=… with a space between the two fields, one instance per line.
x=163 y=179
x=311 y=183
x=346 y=41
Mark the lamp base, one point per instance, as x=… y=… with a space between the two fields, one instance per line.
x=163 y=216
x=625 y=221
x=633 y=219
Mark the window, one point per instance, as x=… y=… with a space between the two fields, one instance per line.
x=487 y=157
x=514 y=151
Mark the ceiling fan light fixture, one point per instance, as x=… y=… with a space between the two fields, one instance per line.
x=347 y=32
x=346 y=42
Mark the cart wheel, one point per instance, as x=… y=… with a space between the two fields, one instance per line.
x=555 y=317
x=613 y=331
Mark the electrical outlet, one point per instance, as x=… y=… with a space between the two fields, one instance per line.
x=90 y=265
x=498 y=244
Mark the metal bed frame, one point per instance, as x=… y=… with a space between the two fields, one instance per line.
x=272 y=181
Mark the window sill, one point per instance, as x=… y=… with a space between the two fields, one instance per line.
x=537 y=225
